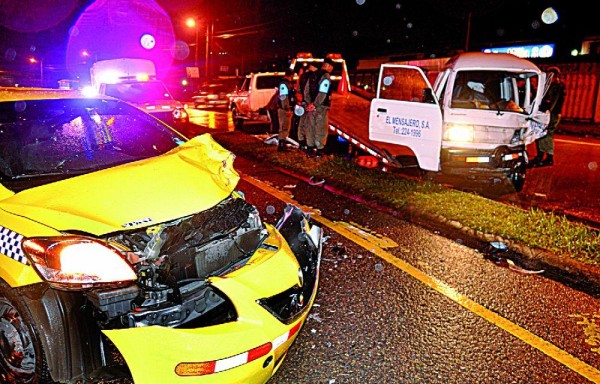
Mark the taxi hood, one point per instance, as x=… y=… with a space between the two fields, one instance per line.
x=189 y=179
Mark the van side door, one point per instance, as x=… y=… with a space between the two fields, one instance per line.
x=406 y=112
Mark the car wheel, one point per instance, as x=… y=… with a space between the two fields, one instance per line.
x=22 y=358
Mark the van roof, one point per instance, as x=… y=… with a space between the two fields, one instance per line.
x=480 y=60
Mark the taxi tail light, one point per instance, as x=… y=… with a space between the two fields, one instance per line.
x=76 y=262
x=202 y=368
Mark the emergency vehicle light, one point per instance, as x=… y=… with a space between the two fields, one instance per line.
x=142 y=77
x=109 y=77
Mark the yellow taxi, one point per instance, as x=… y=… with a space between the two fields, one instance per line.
x=127 y=252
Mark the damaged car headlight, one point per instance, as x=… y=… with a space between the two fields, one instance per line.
x=459 y=133
x=74 y=262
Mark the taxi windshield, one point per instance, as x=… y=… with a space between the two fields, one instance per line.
x=61 y=138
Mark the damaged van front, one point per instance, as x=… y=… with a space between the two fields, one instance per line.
x=475 y=121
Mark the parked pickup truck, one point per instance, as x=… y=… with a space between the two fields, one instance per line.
x=249 y=101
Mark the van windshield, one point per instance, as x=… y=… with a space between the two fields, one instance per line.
x=495 y=90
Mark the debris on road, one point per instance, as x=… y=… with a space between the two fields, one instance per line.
x=316 y=181
x=495 y=248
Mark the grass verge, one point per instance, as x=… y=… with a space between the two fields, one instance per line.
x=533 y=228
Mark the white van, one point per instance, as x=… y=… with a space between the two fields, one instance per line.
x=474 y=122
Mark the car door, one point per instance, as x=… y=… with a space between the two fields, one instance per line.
x=406 y=112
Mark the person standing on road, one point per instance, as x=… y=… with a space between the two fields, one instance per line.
x=303 y=82
x=553 y=102
x=318 y=109
x=287 y=96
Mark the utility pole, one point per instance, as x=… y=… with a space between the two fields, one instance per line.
x=209 y=31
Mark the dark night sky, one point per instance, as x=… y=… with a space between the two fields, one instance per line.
x=274 y=30
x=383 y=26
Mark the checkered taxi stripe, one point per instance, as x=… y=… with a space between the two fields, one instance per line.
x=10 y=245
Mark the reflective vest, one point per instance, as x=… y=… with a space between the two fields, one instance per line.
x=324 y=86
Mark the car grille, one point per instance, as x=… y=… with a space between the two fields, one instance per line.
x=173 y=260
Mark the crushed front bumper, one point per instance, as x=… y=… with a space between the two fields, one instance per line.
x=250 y=348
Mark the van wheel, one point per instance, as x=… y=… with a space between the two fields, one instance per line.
x=21 y=356
x=518 y=180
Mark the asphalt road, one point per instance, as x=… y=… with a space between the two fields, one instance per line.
x=398 y=303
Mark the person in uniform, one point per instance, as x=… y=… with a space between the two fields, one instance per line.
x=285 y=106
x=303 y=83
x=318 y=96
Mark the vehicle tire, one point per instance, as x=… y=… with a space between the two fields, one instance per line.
x=518 y=180
x=22 y=358
x=238 y=122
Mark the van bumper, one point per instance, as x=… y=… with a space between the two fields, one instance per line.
x=479 y=163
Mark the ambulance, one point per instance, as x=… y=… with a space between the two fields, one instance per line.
x=473 y=123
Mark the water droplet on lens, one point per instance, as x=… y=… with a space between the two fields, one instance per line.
x=10 y=54
x=270 y=209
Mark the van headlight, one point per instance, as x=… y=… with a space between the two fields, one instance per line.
x=461 y=133
x=77 y=262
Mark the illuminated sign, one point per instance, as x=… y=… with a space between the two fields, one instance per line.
x=525 y=51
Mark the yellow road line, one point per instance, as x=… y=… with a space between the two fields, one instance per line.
x=528 y=337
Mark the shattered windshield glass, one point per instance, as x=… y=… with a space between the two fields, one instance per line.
x=66 y=137
x=496 y=90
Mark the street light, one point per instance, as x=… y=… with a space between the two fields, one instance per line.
x=33 y=60
x=191 y=23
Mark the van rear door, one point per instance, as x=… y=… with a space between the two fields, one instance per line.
x=406 y=112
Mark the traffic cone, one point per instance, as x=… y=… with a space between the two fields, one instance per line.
x=343 y=86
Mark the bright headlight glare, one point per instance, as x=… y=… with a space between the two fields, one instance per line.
x=459 y=133
x=78 y=261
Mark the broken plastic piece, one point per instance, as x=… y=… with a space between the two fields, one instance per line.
x=314 y=181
